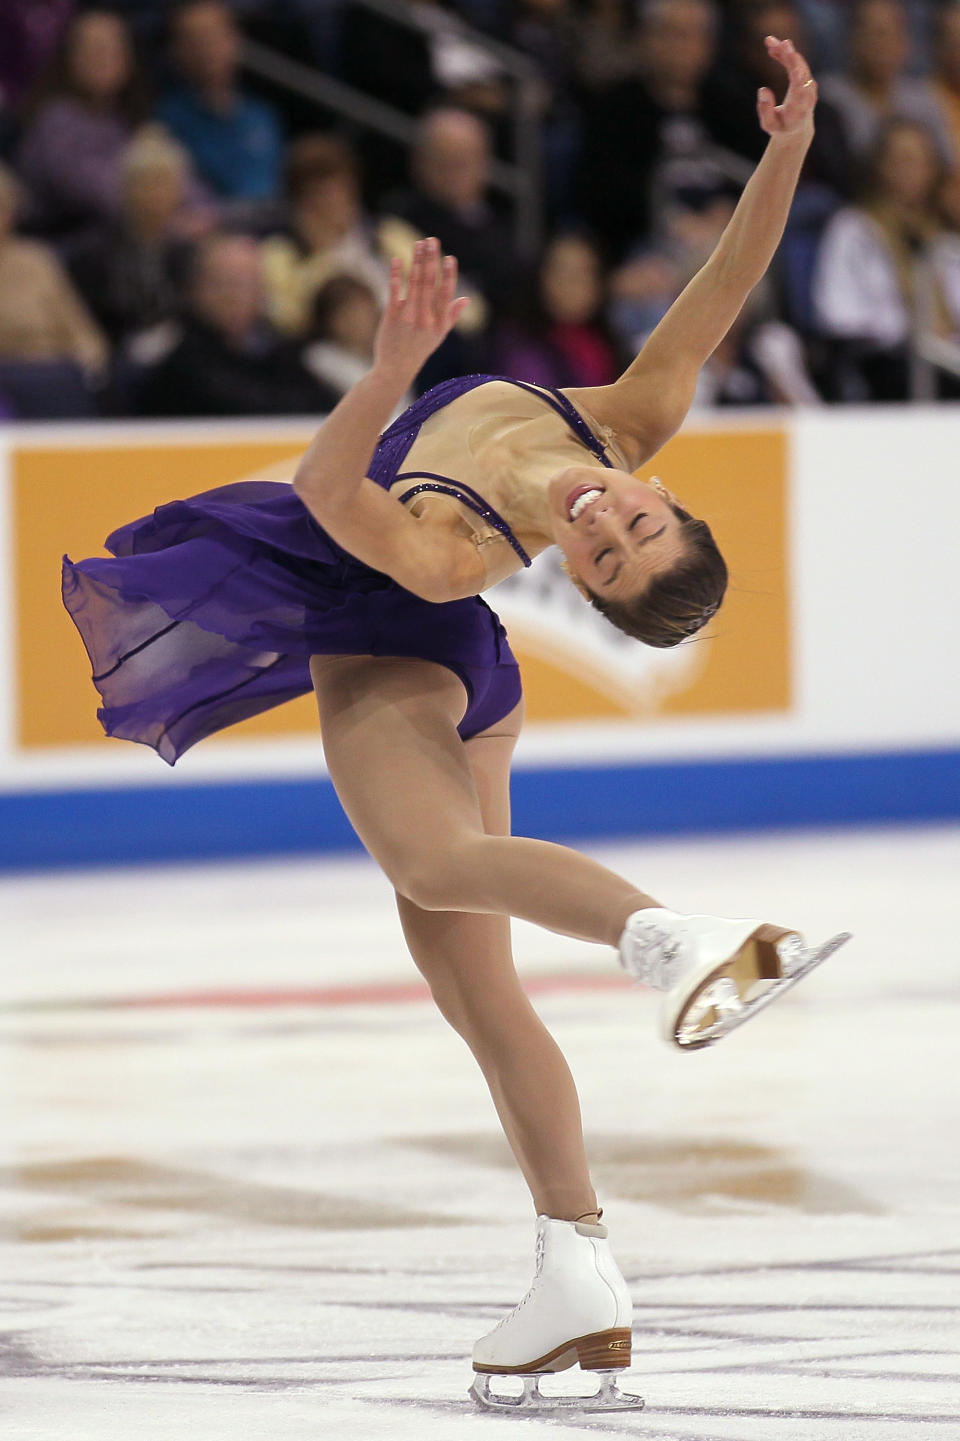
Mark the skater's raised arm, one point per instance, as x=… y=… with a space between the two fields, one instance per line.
x=331 y=478
x=650 y=400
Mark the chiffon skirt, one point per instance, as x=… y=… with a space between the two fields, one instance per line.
x=209 y=610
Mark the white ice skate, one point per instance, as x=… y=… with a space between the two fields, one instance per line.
x=578 y=1310
x=716 y=973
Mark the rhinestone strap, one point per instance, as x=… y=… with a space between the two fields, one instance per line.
x=571 y=415
x=443 y=485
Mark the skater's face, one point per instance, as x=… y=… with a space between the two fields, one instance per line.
x=616 y=532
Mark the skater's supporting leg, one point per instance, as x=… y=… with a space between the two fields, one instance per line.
x=402 y=775
x=468 y=963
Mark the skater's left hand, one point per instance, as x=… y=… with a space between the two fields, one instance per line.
x=794 y=116
x=420 y=314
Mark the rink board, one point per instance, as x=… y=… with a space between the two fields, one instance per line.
x=824 y=692
x=572 y=803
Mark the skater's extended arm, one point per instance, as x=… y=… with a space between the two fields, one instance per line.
x=650 y=400
x=331 y=478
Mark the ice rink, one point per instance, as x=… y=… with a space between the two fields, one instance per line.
x=253 y=1187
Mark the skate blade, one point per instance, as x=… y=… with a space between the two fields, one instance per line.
x=531 y=1398
x=741 y=991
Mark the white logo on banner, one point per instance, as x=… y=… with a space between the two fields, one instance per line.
x=547 y=618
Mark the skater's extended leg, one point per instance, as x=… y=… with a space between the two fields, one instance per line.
x=402 y=775
x=468 y=963
x=401 y=772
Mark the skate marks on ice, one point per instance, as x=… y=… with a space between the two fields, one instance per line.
x=849 y=1348
x=682 y=1171
x=882 y=1329
x=187 y=1178
x=827 y=1354
x=126 y=1185
x=821 y=1350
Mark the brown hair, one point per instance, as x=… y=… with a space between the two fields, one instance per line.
x=315 y=158
x=871 y=193
x=334 y=293
x=678 y=603
x=56 y=82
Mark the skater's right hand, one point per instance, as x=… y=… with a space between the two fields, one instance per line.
x=420 y=314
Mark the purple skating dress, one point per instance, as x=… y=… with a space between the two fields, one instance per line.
x=211 y=607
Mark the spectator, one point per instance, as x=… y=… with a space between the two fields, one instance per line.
x=651 y=278
x=656 y=116
x=758 y=362
x=544 y=31
x=47 y=336
x=235 y=141
x=392 y=63
x=876 y=85
x=564 y=338
x=229 y=360
x=948 y=204
x=30 y=31
x=886 y=265
x=409 y=67
x=604 y=48
x=946 y=74
x=451 y=172
x=463 y=71
x=827 y=23
x=346 y=313
x=131 y=272
x=327 y=232
x=70 y=154
x=730 y=98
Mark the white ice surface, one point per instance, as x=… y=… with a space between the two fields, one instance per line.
x=261 y=1216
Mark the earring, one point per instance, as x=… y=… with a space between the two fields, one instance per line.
x=662 y=491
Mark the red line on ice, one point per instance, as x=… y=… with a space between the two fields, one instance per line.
x=368 y=993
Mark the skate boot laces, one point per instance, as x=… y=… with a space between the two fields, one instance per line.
x=657 y=957
x=534 y=1285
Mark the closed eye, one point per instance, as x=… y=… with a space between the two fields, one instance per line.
x=644 y=540
x=641 y=515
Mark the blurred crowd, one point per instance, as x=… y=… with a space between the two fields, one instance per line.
x=179 y=237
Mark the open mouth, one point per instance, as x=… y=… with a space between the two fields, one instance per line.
x=580 y=497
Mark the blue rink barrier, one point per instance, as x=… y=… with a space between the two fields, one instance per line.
x=209 y=821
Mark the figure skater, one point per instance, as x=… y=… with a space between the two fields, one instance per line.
x=365 y=575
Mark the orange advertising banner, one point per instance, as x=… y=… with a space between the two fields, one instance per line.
x=68 y=497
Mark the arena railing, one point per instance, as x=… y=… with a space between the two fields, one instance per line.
x=521 y=179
